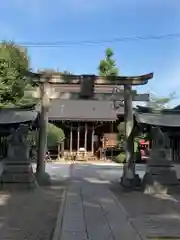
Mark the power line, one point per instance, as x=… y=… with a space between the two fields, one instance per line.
x=100 y=41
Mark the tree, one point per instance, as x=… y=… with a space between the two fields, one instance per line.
x=14 y=64
x=160 y=102
x=107 y=66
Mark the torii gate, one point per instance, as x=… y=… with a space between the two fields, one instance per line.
x=45 y=79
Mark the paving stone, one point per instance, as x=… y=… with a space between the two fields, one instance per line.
x=157 y=226
x=73 y=235
x=73 y=223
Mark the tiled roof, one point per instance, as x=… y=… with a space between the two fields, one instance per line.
x=164 y=118
x=86 y=110
x=10 y=116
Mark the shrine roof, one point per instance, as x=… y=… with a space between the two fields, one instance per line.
x=83 y=110
x=166 y=117
x=177 y=107
x=17 y=115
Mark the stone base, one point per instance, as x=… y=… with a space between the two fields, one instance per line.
x=160 y=181
x=17 y=176
x=18 y=186
x=131 y=183
x=43 y=178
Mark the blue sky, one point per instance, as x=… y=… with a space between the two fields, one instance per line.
x=80 y=20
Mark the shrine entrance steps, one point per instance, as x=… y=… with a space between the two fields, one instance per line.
x=74 y=156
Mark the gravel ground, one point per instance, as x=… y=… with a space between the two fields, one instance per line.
x=29 y=215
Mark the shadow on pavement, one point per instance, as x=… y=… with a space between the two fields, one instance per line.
x=152 y=216
x=30 y=214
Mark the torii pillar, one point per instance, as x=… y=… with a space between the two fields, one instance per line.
x=129 y=178
x=45 y=94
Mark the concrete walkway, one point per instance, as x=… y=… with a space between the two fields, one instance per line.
x=91 y=212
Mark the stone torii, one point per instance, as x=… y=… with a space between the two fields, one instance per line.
x=46 y=79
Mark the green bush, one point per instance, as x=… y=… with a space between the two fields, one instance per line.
x=120 y=158
x=55 y=135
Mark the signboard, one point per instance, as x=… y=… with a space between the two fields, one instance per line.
x=110 y=140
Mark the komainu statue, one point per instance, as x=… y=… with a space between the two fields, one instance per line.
x=18 y=147
x=161 y=138
x=161 y=145
x=17 y=167
x=160 y=176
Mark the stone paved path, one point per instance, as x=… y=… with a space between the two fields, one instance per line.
x=153 y=215
x=29 y=215
x=91 y=212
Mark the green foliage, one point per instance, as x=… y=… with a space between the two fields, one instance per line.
x=28 y=99
x=55 y=135
x=160 y=102
x=120 y=135
x=14 y=64
x=120 y=158
x=107 y=66
x=121 y=129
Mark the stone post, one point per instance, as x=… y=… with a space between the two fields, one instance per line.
x=78 y=138
x=62 y=149
x=71 y=138
x=41 y=175
x=129 y=177
x=85 y=138
x=92 y=141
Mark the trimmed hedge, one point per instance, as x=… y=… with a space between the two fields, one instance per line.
x=55 y=135
x=120 y=158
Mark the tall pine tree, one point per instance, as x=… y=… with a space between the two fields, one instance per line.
x=107 y=66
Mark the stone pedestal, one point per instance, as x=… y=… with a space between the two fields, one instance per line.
x=17 y=175
x=43 y=178
x=17 y=170
x=130 y=179
x=160 y=177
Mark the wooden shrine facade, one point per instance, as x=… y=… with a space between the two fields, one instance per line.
x=85 y=122
x=86 y=136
